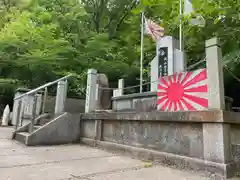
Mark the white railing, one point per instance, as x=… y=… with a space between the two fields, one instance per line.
x=22 y=104
x=43 y=86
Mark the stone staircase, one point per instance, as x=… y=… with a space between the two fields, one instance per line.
x=21 y=133
x=48 y=130
x=35 y=127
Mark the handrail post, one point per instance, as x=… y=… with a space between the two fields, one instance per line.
x=22 y=113
x=44 y=99
x=18 y=113
x=31 y=127
x=60 y=97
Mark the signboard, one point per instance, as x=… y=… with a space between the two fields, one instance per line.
x=163 y=61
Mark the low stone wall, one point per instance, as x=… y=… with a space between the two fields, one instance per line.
x=72 y=105
x=146 y=102
x=174 y=138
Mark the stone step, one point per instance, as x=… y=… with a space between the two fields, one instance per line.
x=21 y=137
x=44 y=121
x=37 y=127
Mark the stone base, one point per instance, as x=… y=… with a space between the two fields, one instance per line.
x=222 y=171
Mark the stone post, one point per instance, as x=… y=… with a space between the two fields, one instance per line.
x=91 y=90
x=216 y=136
x=6 y=116
x=60 y=97
x=121 y=86
x=120 y=90
x=215 y=75
x=66 y=89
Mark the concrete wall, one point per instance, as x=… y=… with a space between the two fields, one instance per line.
x=72 y=105
x=235 y=139
x=235 y=134
x=88 y=129
x=176 y=138
x=173 y=138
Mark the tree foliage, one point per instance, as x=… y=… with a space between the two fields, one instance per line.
x=41 y=40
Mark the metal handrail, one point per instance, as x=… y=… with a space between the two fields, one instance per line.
x=41 y=87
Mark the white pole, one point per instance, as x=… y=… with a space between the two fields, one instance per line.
x=141 y=56
x=180 y=27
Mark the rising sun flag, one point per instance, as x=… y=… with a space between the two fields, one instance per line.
x=153 y=29
x=183 y=92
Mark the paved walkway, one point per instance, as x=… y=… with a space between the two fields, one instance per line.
x=74 y=162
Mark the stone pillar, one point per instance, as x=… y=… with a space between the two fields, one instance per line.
x=66 y=89
x=60 y=97
x=6 y=116
x=121 y=86
x=90 y=102
x=216 y=136
x=215 y=75
x=120 y=90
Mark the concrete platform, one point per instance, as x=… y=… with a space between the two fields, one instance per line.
x=73 y=162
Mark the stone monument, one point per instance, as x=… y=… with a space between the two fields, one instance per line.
x=168 y=60
x=6 y=116
x=103 y=96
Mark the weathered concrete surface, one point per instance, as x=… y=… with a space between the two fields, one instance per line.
x=72 y=162
x=62 y=130
x=176 y=138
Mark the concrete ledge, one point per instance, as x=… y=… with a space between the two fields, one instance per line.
x=135 y=95
x=182 y=162
x=214 y=116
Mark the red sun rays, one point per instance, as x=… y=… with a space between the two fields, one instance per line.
x=183 y=91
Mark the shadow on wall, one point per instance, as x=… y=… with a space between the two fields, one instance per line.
x=72 y=105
